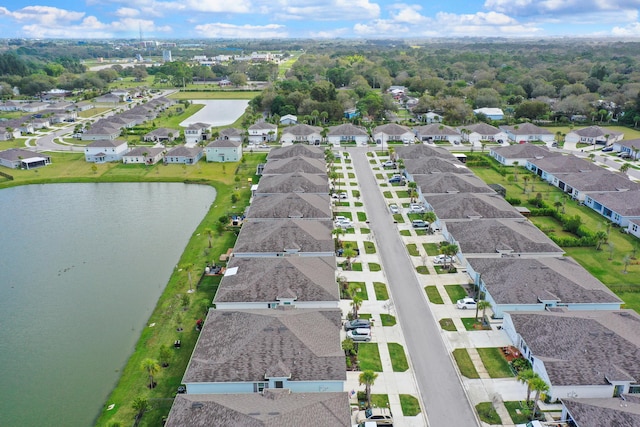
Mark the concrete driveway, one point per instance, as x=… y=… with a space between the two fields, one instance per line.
x=441 y=390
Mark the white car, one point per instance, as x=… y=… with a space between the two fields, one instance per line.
x=416 y=208
x=340 y=195
x=441 y=259
x=394 y=208
x=343 y=224
x=466 y=303
x=360 y=334
x=389 y=164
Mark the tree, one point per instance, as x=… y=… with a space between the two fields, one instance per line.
x=164 y=355
x=450 y=250
x=368 y=378
x=188 y=267
x=601 y=237
x=348 y=252
x=625 y=167
x=539 y=386
x=412 y=190
x=611 y=248
x=525 y=376
x=482 y=305
x=626 y=261
x=151 y=367
x=140 y=405
x=515 y=171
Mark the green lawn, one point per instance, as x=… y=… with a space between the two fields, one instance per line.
x=487 y=413
x=344 y=214
x=410 y=405
x=514 y=407
x=362 y=293
x=472 y=324
x=465 y=365
x=495 y=363
x=441 y=270
x=398 y=357
x=399 y=219
x=374 y=266
x=387 y=319
x=447 y=324
x=412 y=248
x=380 y=400
x=381 y=291
x=432 y=249
x=405 y=232
x=362 y=216
x=433 y=294
x=356 y=266
x=387 y=194
x=364 y=230
x=422 y=269
x=455 y=292
x=369 y=247
x=369 y=357
x=403 y=194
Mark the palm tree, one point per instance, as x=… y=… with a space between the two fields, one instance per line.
x=525 y=376
x=140 y=404
x=164 y=355
x=368 y=378
x=601 y=237
x=515 y=171
x=626 y=261
x=526 y=181
x=412 y=190
x=625 y=167
x=348 y=252
x=539 y=386
x=209 y=232
x=450 y=250
x=429 y=217
x=482 y=305
x=188 y=267
x=151 y=367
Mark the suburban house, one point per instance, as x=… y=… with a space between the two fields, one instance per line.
x=232 y=134
x=634 y=227
x=498 y=238
x=248 y=351
x=347 y=133
x=303 y=282
x=296 y=150
x=197 y=132
x=631 y=147
x=295 y=164
x=18 y=158
x=490 y=113
x=106 y=150
x=10 y=106
x=551 y=169
x=527 y=284
x=578 y=185
x=262 y=132
x=470 y=206
x=429 y=117
x=620 y=411
x=417 y=151
x=519 y=154
x=34 y=107
x=84 y=105
x=144 y=155
x=183 y=155
x=528 y=132
x=109 y=99
x=580 y=354
x=392 y=133
x=285 y=237
x=224 y=150
x=289 y=119
x=447 y=182
x=594 y=135
x=429 y=165
x=437 y=132
x=290 y=205
x=162 y=135
x=351 y=113
x=5 y=134
x=297 y=182
x=101 y=133
x=269 y=408
x=618 y=207
x=478 y=133
x=301 y=133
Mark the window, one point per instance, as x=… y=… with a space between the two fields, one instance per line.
x=259 y=387
x=279 y=384
x=634 y=389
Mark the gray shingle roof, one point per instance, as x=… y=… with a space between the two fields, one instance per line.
x=470 y=205
x=231 y=133
x=305 y=236
x=347 y=129
x=625 y=203
x=107 y=143
x=391 y=129
x=490 y=235
x=599 y=180
x=596 y=131
x=530 y=281
x=604 y=412
x=301 y=130
x=526 y=129
x=296 y=150
x=267 y=279
x=482 y=128
x=524 y=151
x=297 y=182
x=428 y=165
x=273 y=408
x=295 y=164
x=435 y=129
x=291 y=205
x=15 y=154
x=564 y=164
x=583 y=347
x=228 y=143
x=139 y=151
x=450 y=183
x=183 y=151
x=629 y=143
x=243 y=345
x=263 y=126
x=163 y=132
x=417 y=151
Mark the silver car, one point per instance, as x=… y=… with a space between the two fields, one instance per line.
x=360 y=334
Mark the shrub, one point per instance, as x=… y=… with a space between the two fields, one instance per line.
x=513 y=201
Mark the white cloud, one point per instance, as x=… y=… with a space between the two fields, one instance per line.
x=532 y=8
x=318 y=10
x=127 y=12
x=224 y=30
x=409 y=14
x=631 y=30
x=45 y=15
x=217 y=6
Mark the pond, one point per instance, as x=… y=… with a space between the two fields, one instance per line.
x=217 y=112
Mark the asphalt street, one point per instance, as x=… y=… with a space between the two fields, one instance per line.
x=441 y=390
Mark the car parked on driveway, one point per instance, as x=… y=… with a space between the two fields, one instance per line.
x=394 y=208
x=606 y=149
x=342 y=195
x=381 y=416
x=357 y=323
x=360 y=334
x=442 y=259
x=416 y=208
x=389 y=164
x=466 y=303
x=418 y=223
x=396 y=180
x=343 y=224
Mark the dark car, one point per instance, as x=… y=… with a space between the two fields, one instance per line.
x=606 y=149
x=356 y=323
x=396 y=180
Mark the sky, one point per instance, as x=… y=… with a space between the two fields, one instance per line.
x=364 y=19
